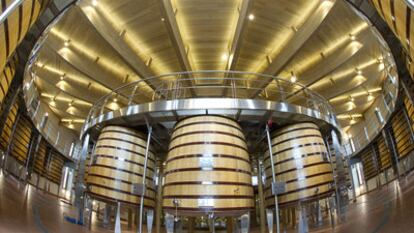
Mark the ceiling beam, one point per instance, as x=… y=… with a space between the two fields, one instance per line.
x=235 y=47
x=308 y=28
x=168 y=13
x=236 y=44
x=115 y=40
x=170 y=21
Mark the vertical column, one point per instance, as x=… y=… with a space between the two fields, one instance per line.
x=158 y=211
x=389 y=142
x=144 y=175
x=376 y=164
x=80 y=187
x=10 y=142
x=191 y=222
x=341 y=176
x=262 y=213
x=230 y=224
x=269 y=142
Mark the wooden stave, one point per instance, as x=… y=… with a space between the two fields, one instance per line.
x=314 y=166
x=108 y=164
x=223 y=161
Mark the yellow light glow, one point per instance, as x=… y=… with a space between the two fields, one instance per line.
x=251 y=17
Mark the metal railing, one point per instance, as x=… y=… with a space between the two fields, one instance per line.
x=210 y=84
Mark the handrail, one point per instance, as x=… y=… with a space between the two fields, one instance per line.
x=211 y=83
x=9 y=10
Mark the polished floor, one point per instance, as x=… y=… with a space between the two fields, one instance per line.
x=26 y=209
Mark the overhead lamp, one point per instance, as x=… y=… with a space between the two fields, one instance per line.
x=381 y=66
x=352 y=37
x=62 y=76
x=224 y=57
x=94 y=2
x=293 y=77
x=162 y=19
x=115 y=100
x=66 y=43
x=358 y=71
x=370 y=96
x=251 y=17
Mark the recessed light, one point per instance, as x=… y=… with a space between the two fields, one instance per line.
x=224 y=57
x=251 y=17
x=162 y=19
x=293 y=77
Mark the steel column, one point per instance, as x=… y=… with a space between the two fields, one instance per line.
x=261 y=198
x=10 y=142
x=269 y=142
x=141 y=206
x=80 y=187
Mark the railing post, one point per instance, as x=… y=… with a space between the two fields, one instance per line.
x=131 y=97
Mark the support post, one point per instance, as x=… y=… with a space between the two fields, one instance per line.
x=261 y=197
x=144 y=178
x=269 y=142
x=169 y=223
x=10 y=142
x=158 y=211
x=245 y=223
x=130 y=218
x=269 y=216
x=80 y=187
x=230 y=225
x=389 y=141
x=150 y=220
x=118 y=219
x=303 y=221
x=191 y=222
x=377 y=165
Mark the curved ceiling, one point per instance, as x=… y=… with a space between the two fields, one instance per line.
x=97 y=46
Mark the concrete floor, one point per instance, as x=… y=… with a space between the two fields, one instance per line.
x=25 y=209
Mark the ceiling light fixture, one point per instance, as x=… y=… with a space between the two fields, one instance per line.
x=352 y=37
x=66 y=43
x=94 y=2
x=358 y=71
x=224 y=57
x=381 y=66
x=62 y=76
x=293 y=77
x=251 y=17
x=163 y=19
x=115 y=100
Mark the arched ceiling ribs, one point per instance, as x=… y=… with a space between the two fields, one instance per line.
x=308 y=28
x=329 y=64
x=85 y=67
x=114 y=39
